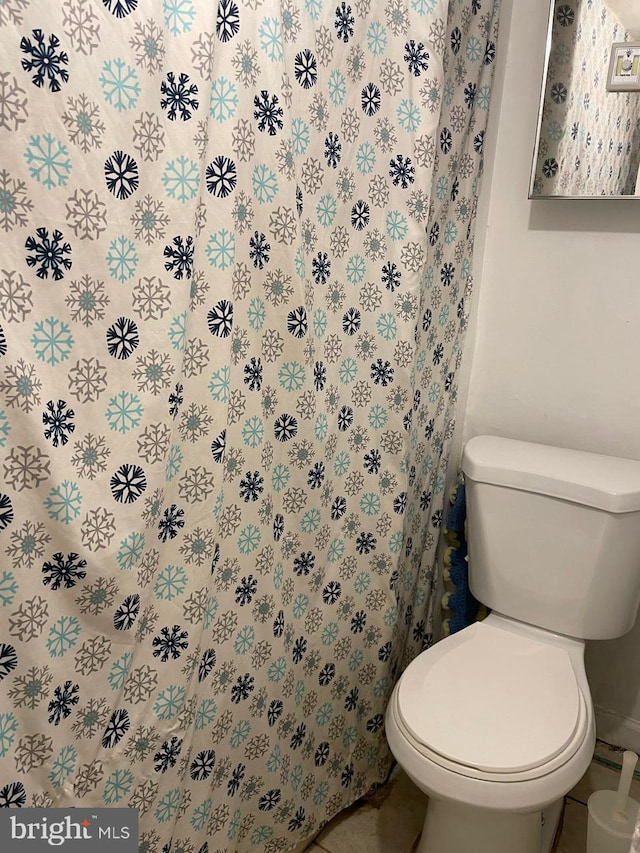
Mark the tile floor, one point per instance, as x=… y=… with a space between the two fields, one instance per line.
x=390 y=821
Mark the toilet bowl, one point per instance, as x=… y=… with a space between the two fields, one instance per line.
x=495 y=723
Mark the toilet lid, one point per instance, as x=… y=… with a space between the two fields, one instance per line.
x=491 y=699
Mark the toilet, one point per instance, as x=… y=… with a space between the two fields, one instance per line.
x=495 y=723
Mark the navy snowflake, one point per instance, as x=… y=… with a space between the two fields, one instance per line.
x=228 y=20
x=180 y=257
x=218 y=446
x=285 y=427
x=3 y=342
x=45 y=59
x=416 y=57
x=246 y=589
x=122 y=338
x=65 y=696
x=167 y=755
x=116 y=729
x=170 y=643
x=176 y=400
x=121 y=174
x=332 y=150
x=401 y=171
x=321 y=268
x=259 y=249
x=297 y=323
x=6 y=511
x=360 y=213
x=242 y=688
x=202 y=765
x=305 y=68
x=344 y=22
x=370 y=99
x=221 y=176
x=220 y=319
x=58 y=419
x=127 y=613
x=207 y=663
x=351 y=321
x=179 y=96
x=251 y=486
x=120 y=8
x=128 y=483
x=63 y=571
x=391 y=276
x=268 y=113
x=8 y=659
x=13 y=796
x=171 y=522
x=253 y=374
x=50 y=254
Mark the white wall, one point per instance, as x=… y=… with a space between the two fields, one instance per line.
x=553 y=353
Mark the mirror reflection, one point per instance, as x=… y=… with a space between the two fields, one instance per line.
x=588 y=139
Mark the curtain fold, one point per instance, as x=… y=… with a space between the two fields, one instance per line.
x=236 y=246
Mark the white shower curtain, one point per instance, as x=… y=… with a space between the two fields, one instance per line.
x=236 y=243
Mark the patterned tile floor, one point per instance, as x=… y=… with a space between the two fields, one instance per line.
x=390 y=821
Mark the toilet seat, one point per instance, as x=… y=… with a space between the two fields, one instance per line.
x=509 y=707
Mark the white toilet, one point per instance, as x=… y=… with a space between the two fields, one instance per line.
x=495 y=723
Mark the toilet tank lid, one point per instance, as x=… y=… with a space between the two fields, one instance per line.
x=610 y=483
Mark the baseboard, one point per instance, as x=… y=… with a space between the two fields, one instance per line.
x=617 y=730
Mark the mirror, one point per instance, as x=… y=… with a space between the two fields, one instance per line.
x=588 y=138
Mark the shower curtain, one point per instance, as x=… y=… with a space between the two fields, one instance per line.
x=236 y=244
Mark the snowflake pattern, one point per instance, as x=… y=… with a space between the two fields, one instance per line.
x=237 y=260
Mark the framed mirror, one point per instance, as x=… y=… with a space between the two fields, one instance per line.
x=588 y=134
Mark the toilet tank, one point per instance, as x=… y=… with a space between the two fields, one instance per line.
x=554 y=535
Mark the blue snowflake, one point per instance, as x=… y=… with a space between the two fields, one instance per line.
x=121 y=174
x=228 y=20
x=180 y=254
x=65 y=696
x=45 y=60
x=344 y=22
x=180 y=96
x=50 y=253
x=59 y=422
x=63 y=571
x=268 y=113
x=52 y=340
x=170 y=643
x=122 y=338
x=120 y=84
x=222 y=176
x=128 y=483
x=171 y=522
x=259 y=250
x=121 y=8
x=48 y=160
x=122 y=259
